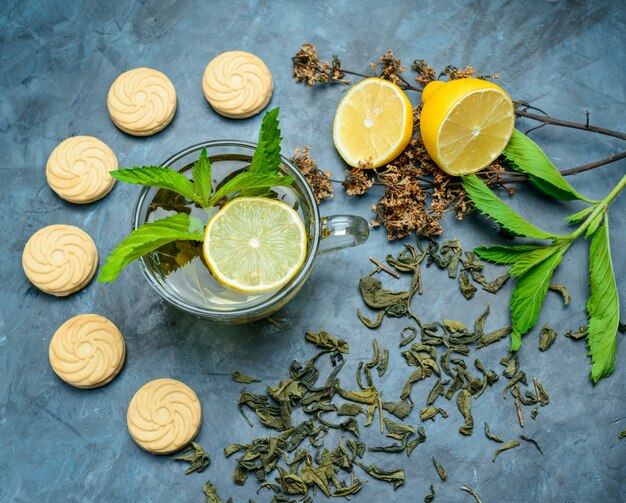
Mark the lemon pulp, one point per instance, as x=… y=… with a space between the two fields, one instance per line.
x=255 y=244
x=373 y=123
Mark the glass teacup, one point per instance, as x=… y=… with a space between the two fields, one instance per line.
x=177 y=271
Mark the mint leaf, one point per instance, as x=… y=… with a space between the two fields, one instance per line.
x=201 y=173
x=500 y=254
x=148 y=238
x=526 y=156
x=522 y=258
x=247 y=181
x=593 y=225
x=266 y=158
x=529 y=292
x=602 y=306
x=156 y=176
x=492 y=206
x=576 y=217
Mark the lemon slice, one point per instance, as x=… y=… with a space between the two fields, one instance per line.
x=465 y=124
x=373 y=123
x=255 y=244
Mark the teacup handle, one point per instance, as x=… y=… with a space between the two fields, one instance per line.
x=342 y=231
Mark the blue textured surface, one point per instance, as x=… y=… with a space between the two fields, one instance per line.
x=58 y=60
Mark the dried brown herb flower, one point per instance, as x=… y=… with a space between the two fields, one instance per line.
x=453 y=73
x=426 y=73
x=318 y=179
x=308 y=68
x=358 y=180
x=389 y=68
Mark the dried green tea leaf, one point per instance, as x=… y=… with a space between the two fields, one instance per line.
x=369 y=323
x=534 y=412
x=349 y=424
x=519 y=377
x=395 y=428
x=548 y=336
x=511 y=362
x=408 y=338
x=396 y=477
x=199 y=460
x=429 y=498
x=473 y=493
x=384 y=363
x=376 y=297
x=464 y=403
x=399 y=409
x=494 y=336
x=350 y=409
x=349 y=490
x=418 y=375
x=420 y=439
x=292 y=483
x=621 y=434
x=542 y=394
x=367 y=396
x=211 y=493
x=492 y=436
x=581 y=333
x=495 y=285
x=324 y=340
x=479 y=324
x=242 y=378
x=555 y=287
x=454 y=326
x=532 y=441
x=506 y=447
x=440 y=470
x=467 y=288
x=430 y=413
x=437 y=390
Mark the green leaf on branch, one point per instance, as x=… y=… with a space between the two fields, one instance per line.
x=530 y=291
x=577 y=217
x=602 y=306
x=156 y=176
x=149 y=237
x=201 y=173
x=492 y=206
x=526 y=157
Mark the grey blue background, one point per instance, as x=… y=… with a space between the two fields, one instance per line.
x=57 y=61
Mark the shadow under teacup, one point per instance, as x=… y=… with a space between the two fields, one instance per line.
x=177 y=271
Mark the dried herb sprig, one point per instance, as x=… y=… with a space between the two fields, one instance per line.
x=319 y=180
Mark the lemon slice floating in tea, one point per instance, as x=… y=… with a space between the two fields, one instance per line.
x=255 y=244
x=465 y=124
x=373 y=122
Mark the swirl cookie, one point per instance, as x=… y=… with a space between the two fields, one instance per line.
x=237 y=84
x=164 y=416
x=142 y=101
x=87 y=351
x=78 y=169
x=60 y=259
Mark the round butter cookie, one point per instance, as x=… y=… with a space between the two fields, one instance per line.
x=142 y=101
x=78 y=169
x=164 y=416
x=87 y=351
x=237 y=84
x=60 y=259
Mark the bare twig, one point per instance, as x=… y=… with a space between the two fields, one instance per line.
x=382 y=267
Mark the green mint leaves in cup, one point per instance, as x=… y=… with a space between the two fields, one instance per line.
x=262 y=174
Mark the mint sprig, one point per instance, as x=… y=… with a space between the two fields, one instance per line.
x=149 y=237
x=262 y=174
x=532 y=265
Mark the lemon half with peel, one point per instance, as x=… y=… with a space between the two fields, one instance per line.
x=465 y=124
x=255 y=244
x=373 y=123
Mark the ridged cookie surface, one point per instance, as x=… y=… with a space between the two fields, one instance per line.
x=78 y=169
x=60 y=259
x=237 y=84
x=142 y=101
x=164 y=416
x=87 y=351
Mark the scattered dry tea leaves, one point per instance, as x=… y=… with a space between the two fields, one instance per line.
x=443 y=475
x=242 y=378
x=506 y=447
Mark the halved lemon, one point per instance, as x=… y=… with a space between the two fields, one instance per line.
x=465 y=124
x=255 y=244
x=373 y=123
